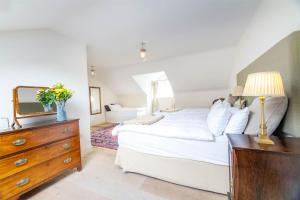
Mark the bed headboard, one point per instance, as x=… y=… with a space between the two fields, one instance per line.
x=285 y=58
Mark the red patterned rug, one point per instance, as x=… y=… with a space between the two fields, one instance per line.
x=102 y=137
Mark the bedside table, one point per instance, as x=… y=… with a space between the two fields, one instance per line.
x=264 y=172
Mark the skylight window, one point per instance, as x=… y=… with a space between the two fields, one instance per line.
x=158 y=90
x=164 y=89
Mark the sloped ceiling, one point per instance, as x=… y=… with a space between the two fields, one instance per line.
x=200 y=71
x=113 y=29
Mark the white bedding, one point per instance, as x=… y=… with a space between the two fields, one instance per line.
x=182 y=134
x=186 y=124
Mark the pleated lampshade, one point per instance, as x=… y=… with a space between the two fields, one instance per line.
x=264 y=84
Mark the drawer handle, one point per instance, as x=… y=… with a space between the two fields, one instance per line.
x=67 y=130
x=21 y=161
x=22 y=182
x=68 y=160
x=19 y=142
x=67 y=146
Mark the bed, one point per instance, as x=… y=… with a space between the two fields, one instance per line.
x=181 y=149
x=201 y=163
x=115 y=113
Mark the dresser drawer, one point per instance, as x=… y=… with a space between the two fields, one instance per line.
x=23 y=140
x=23 y=181
x=22 y=161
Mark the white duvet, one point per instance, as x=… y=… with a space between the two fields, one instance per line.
x=185 y=124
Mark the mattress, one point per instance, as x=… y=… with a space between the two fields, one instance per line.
x=215 y=152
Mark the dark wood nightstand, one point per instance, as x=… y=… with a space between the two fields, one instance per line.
x=264 y=172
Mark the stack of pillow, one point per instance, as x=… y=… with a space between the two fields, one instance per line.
x=275 y=109
x=222 y=118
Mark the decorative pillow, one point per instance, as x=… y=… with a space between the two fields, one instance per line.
x=240 y=103
x=238 y=121
x=218 y=117
x=216 y=100
x=115 y=107
x=275 y=108
x=231 y=99
x=107 y=108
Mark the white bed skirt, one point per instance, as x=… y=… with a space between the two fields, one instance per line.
x=195 y=174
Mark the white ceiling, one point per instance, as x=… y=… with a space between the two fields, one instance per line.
x=38 y=14
x=113 y=29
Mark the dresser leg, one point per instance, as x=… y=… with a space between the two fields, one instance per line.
x=79 y=168
x=229 y=195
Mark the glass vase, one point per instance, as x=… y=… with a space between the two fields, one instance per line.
x=61 y=114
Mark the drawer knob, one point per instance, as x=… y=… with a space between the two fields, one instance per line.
x=67 y=146
x=68 y=160
x=21 y=161
x=67 y=130
x=19 y=142
x=22 y=182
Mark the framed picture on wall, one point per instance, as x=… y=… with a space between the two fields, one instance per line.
x=95 y=100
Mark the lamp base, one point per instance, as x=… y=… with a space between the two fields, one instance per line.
x=263 y=140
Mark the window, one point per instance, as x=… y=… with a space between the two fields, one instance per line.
x=164 y=89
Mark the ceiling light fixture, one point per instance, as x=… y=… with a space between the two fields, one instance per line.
x=92 y=70
x=143 y=50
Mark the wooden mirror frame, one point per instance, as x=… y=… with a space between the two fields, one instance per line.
x=16 y=109
x=90 y=93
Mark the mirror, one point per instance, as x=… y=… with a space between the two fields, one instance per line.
x=26 y=105
x=95 y=100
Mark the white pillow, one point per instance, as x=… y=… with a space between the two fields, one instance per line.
x=218 y=117
x=238 y=121
x=115 y=107
x=275 y=108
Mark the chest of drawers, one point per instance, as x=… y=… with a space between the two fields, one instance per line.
x=35 y=154
x=264 y=172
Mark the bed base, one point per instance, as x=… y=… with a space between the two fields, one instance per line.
x=195 y=174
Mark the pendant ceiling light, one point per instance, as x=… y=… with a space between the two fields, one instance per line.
x=143 y=50
x=92 y=70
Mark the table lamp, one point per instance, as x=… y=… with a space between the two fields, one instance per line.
x=264 y=84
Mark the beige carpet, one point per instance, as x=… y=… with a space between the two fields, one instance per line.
x=100 y=179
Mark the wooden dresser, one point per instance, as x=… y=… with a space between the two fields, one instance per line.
x=264 y=172
x=35 y=154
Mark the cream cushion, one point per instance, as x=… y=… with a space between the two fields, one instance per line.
x=218 y=117
x=275 y=108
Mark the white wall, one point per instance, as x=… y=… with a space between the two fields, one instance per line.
x=133 y=100
x=198 y=98
x=107 y=97
x=273 y=21
x=188 y=99
x=42 y=58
